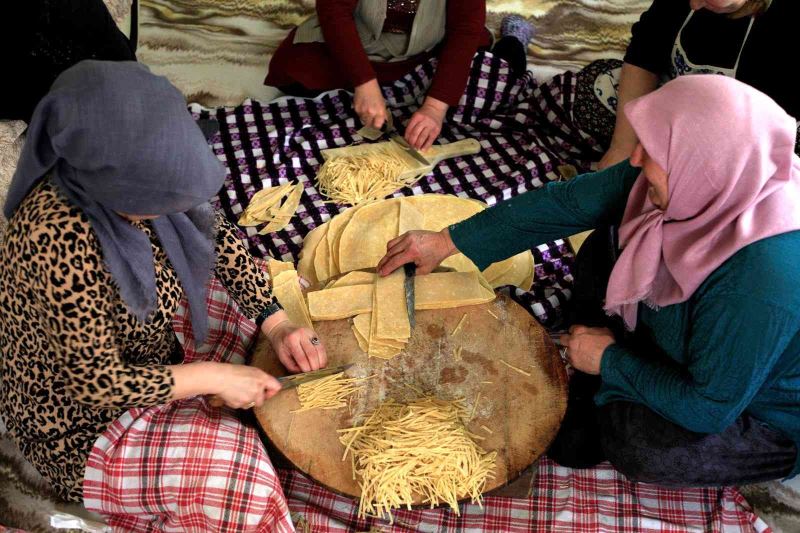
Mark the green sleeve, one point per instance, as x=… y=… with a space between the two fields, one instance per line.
x=555 y=211
x=731 y=351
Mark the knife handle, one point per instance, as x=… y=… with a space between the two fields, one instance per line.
x=438 y=152
x=217 y=402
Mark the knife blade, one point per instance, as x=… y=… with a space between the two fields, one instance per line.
x=395 y=137
x=295 y=380
x=410 y=270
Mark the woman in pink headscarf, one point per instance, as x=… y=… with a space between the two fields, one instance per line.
x=694 y=327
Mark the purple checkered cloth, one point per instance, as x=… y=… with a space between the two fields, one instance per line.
x=526 y=131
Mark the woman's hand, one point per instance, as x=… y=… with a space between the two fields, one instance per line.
x=242 y=387
x=298 y=349
x=426 y=124
x=585 y=347
x=370 y=105
x=426 y=249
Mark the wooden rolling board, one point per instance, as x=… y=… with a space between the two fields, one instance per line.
x=523 y=413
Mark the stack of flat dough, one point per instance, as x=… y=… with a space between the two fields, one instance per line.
x=276 y=266
x=339 y=258
x=356 y=239
x=378 y=305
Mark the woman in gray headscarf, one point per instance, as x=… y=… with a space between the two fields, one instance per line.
x=109 y=227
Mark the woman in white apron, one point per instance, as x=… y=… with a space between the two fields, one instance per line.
x=750 y=40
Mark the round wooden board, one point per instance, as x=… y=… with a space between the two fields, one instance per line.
x=522 y=412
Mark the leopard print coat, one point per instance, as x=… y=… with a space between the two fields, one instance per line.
x=72 y=358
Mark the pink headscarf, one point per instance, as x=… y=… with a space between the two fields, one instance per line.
x=734 y=179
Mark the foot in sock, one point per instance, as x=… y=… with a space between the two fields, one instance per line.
x=518 y=27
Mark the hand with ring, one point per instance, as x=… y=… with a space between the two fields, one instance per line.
x=299 y=349
x=584 y=347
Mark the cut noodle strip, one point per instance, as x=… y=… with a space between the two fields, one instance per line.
x=330 y=392
x=421 y=449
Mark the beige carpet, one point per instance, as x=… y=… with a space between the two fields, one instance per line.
x=217 y=51
x=11 y=140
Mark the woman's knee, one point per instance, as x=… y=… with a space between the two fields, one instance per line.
x=635 y=463
x=638 y=443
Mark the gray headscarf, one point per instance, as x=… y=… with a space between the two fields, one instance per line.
x=119 y=139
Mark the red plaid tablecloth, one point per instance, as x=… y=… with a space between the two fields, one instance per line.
x=592 y=500
x=186 y=466
x=576 y=501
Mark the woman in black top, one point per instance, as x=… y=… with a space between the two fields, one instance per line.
x=754 y=41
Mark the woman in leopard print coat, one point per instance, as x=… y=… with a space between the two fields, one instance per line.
x=109 y=228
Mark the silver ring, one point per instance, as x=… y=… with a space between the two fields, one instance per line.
x=250 y=405
x=315 y=341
